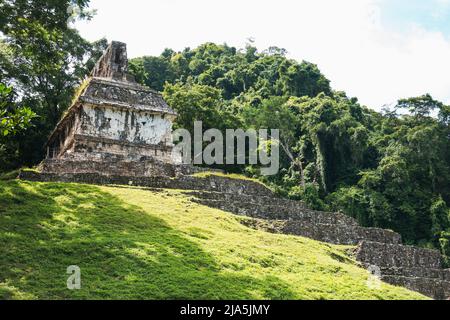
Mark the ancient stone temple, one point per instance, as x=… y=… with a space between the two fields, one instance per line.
x=113 y=121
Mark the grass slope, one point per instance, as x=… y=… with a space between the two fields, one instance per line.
x=137 y=244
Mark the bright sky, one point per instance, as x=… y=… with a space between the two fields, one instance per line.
x=376 y=50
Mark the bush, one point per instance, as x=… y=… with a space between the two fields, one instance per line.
x=310 y=195
x=444 y=241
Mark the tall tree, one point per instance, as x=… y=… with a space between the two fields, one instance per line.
x=44 y=59
x=14 y=119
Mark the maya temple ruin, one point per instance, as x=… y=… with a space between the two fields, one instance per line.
x=113 y=122
x=119 y=132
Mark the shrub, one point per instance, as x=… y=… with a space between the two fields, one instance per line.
x=444 y=241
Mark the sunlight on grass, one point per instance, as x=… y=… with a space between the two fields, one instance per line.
x=235 y=176
x=141 y=244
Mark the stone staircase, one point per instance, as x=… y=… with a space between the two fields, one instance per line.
x=415 y=268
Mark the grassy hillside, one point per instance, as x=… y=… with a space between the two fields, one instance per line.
x=138 y=244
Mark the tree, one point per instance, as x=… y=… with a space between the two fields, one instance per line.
x=154 y=72
x=13 y=118
x=50 y=14
x=274 y=113
x=408 y=190
x=45 y=60
x=234 y=72
x=420 y=106
x=195 y=102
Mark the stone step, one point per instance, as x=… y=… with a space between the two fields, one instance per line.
x=276 y=212
x=330 y=233
x=433 y=288
x=254 y=199
x=416 y=272
x=225 y=185
x=386 y=255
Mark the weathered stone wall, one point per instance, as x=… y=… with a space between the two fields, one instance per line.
x=325 y=232
x=272 y=200
x=430 y=287
x=141 y=127
x=398 y=256
x=271 y=208
x=63 y=138
x=210 y=183
x=86 y=146
x=415 y=268
x=144 y=168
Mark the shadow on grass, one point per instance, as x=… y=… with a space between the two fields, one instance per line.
x=123 y=252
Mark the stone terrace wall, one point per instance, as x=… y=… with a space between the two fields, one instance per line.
x=104 y=164
x=415 y=268
x=211 y=183
x=325 y=232
x=125 y=168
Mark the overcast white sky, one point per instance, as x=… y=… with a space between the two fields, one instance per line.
x=376 y=50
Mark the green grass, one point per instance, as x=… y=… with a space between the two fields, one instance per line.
x=9 y=175
x=138 y=244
